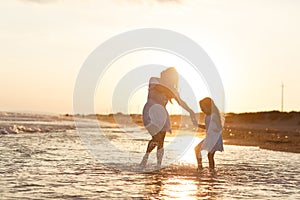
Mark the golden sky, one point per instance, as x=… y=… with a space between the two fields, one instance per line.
x=254 y=45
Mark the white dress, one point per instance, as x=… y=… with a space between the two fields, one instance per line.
x=213 y=141
x=155 y=112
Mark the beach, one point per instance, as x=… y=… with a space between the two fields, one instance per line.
x=79 y=77
x=268 y=130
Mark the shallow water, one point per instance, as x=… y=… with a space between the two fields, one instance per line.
x=59 y=166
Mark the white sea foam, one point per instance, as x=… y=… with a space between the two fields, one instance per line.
x=15 y=123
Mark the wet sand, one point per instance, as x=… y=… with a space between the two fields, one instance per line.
x=268 y=130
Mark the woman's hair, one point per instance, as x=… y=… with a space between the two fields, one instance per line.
x=170 y=78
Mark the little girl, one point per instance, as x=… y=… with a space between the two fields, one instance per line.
x=213 y=141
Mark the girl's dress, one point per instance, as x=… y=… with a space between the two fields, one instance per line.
x=213 y=141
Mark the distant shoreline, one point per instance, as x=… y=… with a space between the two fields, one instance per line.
x=274 y=130
x=268 y=130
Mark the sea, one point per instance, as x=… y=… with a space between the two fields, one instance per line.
x=61 y=157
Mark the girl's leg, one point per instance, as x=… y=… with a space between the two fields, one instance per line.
x=198 y=155
x=160 y=148
x=211 y=160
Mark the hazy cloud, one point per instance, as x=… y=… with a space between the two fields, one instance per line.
x=130 y=1
x=159 y=1
x=117 y=1
x=39 y=1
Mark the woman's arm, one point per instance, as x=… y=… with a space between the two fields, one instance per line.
x=168 y=92
x=172 y=94
x=187 y=108
x=183 y=104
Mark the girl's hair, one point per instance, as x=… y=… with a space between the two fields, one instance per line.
x=216 y=115
x=170 y=78
x=207 y=103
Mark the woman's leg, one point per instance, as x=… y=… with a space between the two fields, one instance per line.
x=155 y=141
x=198 y=155
x=160 y=147
x=151 y=145
x=211 y=160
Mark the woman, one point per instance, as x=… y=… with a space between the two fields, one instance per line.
x=155 y=116
x=213 y=141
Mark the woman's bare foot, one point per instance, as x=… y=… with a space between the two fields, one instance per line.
x=199 y=168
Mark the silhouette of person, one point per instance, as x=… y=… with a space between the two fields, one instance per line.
x=155 y=116
x=213 y=141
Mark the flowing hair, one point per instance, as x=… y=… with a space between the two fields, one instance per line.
x=217 y=116
x=169 y=78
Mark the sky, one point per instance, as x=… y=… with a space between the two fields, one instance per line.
x=254 y=45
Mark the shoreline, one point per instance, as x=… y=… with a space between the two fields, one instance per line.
x=279 y=133
x=267 y=130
